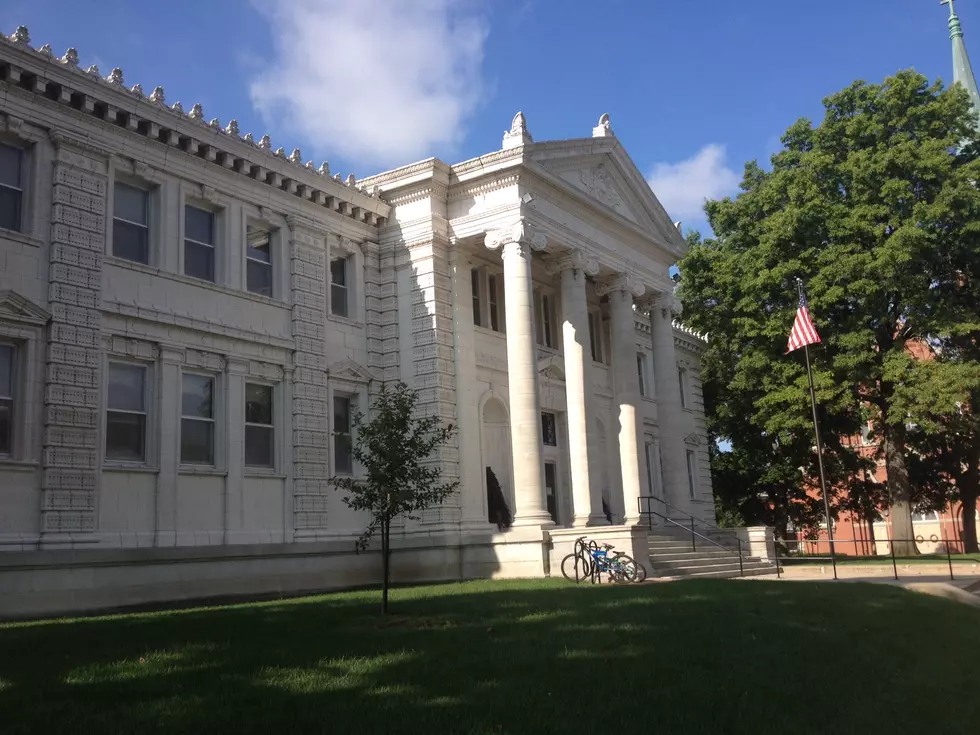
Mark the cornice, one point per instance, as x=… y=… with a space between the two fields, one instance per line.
x=45 y=79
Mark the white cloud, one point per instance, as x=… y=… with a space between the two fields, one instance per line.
x=682 y=187
x=382 y=81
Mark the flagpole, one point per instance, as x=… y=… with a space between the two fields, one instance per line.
x=816 y=433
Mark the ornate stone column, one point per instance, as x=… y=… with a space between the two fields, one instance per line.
x=669 y=412
x=621 y=290
x=517 y=243
x=574 y=266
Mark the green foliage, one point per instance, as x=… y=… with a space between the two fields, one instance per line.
x=394 y=448
x=877 y=211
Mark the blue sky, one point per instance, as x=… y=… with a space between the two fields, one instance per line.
x=694 y=87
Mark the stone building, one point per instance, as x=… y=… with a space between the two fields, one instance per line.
x=189 y=319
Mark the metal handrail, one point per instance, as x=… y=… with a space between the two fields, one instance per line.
x=741 y=558
x=689 y=517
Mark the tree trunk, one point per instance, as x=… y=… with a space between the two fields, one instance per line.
x=871 y=537
x=968 y=514
x=385 y=562
x=900 y=488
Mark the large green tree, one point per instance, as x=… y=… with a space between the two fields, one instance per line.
x=876 y=209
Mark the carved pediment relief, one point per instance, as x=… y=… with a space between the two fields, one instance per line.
x=692 y=440
x=15 y=308
x=350 y=371
x=552 y=368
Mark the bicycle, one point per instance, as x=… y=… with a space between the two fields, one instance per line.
x=590 y=561
x=577 y=566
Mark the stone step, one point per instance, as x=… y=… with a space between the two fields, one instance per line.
x=720 y=571
x=699 y=561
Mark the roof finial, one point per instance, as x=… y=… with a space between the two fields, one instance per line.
x=115 y=76
x=604 y=128
x=232 y=128
x=197 y=112
x=70 y=58
x=21 y=35
x=518 y=134
x=962 y=68
x=955 y=29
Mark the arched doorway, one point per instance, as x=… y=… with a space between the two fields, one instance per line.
x=496 y=452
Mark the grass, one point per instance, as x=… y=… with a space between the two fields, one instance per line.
x=510 y=657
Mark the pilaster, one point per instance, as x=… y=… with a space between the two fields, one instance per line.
x=433 y=358
x=670 y=418
x=168 y=405
x=71 y=457
x=310 y=409
x=236 y=371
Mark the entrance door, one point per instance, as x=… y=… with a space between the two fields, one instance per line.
x=551 y=489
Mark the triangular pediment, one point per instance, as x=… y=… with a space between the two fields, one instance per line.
x=602 y=170
x=350 y=371
x=551 y=367
x=16 y=308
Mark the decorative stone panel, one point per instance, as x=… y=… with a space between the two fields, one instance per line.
x=433 y=360
x=73 y=377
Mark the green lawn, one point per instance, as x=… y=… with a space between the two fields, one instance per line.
x=510 y=657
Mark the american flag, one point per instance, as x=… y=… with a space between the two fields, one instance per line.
x=803 y=331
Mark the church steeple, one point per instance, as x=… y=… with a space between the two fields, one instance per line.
x=962 y=69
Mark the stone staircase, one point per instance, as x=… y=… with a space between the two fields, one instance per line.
x=671 y=556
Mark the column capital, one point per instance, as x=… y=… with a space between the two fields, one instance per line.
x=572 y=260
x=519 y=233
x=620 y=282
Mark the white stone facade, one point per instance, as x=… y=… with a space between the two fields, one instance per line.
x=186 y=316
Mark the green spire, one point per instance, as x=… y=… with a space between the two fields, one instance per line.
x=962 y=69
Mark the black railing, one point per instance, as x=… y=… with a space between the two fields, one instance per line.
x=650 y=513
x=800 y=552
x=647 y=500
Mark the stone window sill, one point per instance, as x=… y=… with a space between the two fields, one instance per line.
x=180 y=278
x=650 y=399
x=20 y=237
x=122 y=467
x=345 y=320
x=490 y=332
x=18 y=465
x=189 y=469
x=268 y=475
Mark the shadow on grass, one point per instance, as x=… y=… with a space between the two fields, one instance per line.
x=518 y=657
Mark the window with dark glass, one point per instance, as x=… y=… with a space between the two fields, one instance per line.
x=258 y=261
x=549 y=429
x=594 y=344
x=682 y=382
x=125 y=425
x=259 y=426
x=494 y=304
x=11 y=187
x=8 y=356
x=477 y=305
x=641 y=372
x=339 y=290
x=343 y=459
x=548 y=320
x=197 y=419
x=130 y=223
x=692 y=477
x=199 y=243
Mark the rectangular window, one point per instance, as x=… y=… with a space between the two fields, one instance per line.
x=682 y=380
x=494 y=302
x=654 y=471
x=259 y=426
x=343 y=458
x=339 y=289
x=548 y=319
x=8 y=357
x=641 y=372
x=258 y=261
x=197 y=419
x=130 y=223
x=549 y=429
x=125 y=424
x=477 y=305
x=595 y=344
x=11 y=187
x=692 y=474
x=199 y=243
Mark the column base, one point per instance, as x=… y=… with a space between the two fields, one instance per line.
x=590 y=521
x=537 y=520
